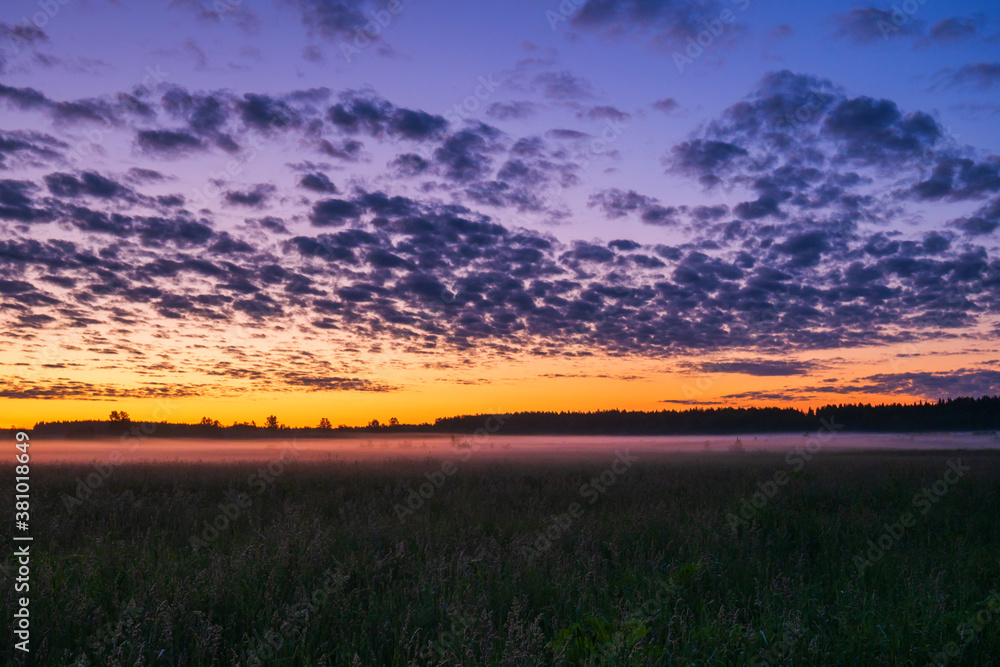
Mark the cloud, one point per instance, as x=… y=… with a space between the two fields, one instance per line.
x=314 y=54
x=89 y=183
x=875 y=130
x=932 y=385
x=272 y=224
x=365 y=113
x=567 y=134
x=802 y=260
x=563 y=86
x=604 y=112
x=706 y=159
x=24 y=98
x=265 y=113
x=617 y=203
x=94 y=110
x=335 y=19
x=867 y=25
x=197 y=54
x=667 y=22
x=759 y=367
x=29 y=147
x=803 y=147
x=333 y=212
x=779 y=32
x=221 y=12
x=26 y=33
x=409 y=165
x=283 y=381
x=18 y=37
x=959 y=178
x=954 y=29
x=256 y=197
x=465 y=155
x=16 y=203
x=976 y=76
x=168 y=142
x=348 y=150
x=318 y=182
x=512 y=110
x=982 y=222
x=503 y=287
x=666 y=105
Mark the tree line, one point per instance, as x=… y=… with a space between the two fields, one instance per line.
x=956 y=414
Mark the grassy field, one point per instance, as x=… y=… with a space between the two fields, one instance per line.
x=710 y=559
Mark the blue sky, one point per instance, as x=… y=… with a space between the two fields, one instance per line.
x=430 y=56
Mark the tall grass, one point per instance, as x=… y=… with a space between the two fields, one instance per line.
x=319 y=569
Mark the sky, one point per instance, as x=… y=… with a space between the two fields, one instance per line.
x=360 y=210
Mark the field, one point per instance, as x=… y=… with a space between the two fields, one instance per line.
x=693 y=559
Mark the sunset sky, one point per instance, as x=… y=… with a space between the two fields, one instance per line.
x=357 y=210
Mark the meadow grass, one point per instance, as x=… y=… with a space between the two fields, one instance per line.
x=317 y=568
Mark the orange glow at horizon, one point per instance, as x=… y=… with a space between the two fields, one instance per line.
x=422 y=392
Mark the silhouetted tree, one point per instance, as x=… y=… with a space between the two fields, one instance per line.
x=374 y=424
x=324 y=424
x=271 y=423
x=393 y=422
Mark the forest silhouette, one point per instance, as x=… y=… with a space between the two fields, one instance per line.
x=957 y=414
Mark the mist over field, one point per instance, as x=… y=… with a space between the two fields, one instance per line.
x=416 y=447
